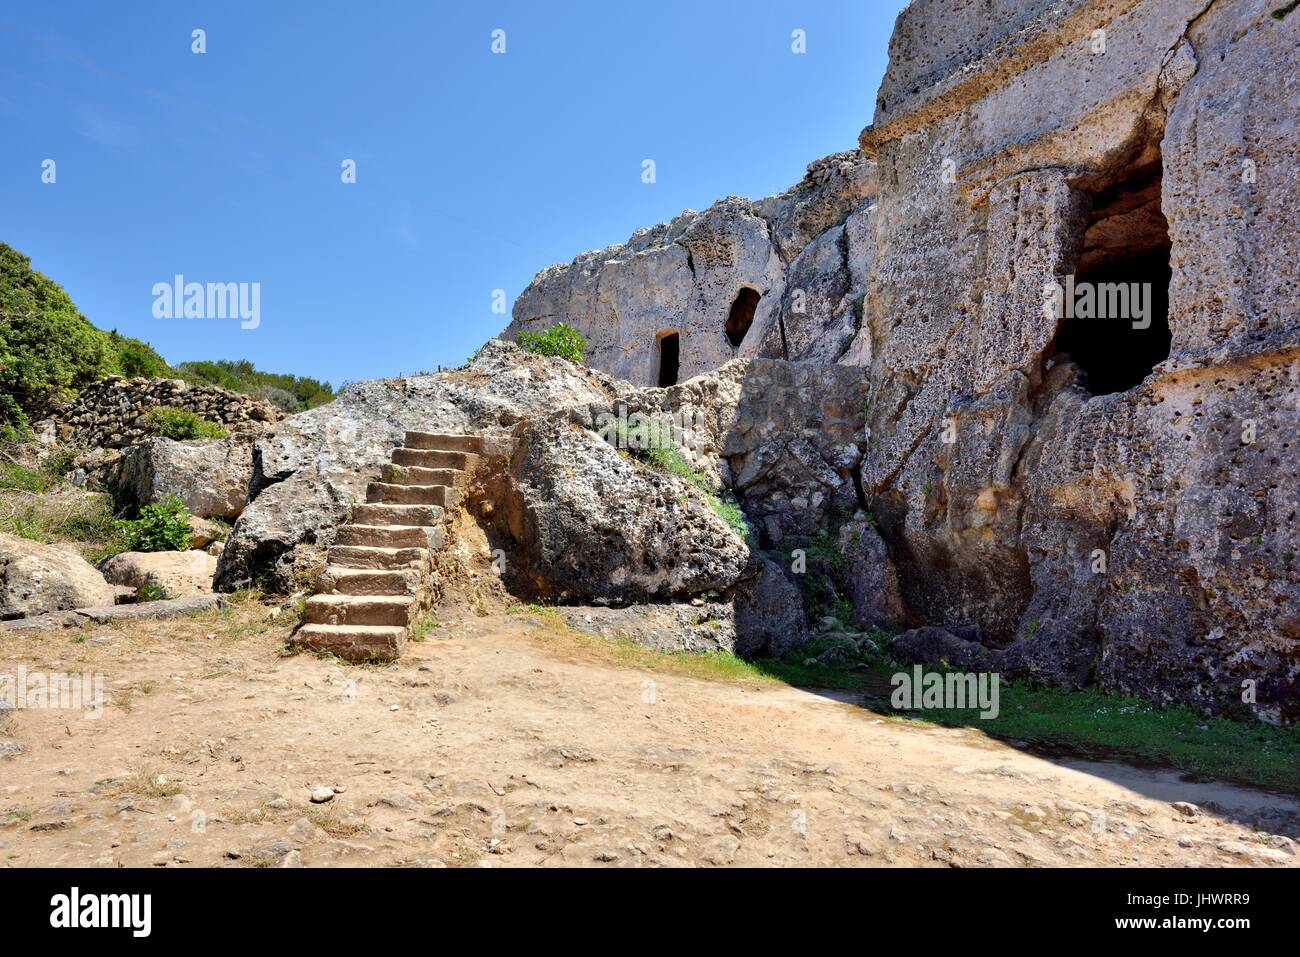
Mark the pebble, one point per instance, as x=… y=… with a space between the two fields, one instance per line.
x=322 y=795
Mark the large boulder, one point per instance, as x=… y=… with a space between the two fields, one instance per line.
x=590 y=522
x=37 y=578
x=770 y=619
x=175 y=574
x=941 y=648
x=211 y=478
x=870 y=576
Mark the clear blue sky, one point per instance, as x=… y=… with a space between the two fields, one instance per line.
x=474 y=170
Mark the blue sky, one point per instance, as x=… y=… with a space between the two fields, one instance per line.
x=474 y=170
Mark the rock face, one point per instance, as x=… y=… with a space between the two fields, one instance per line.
x=176 y=574
x=592 y=523
x=211 y=478
x=1137 y=531
x=36 y=578
x=727 y=282
x=111 y=413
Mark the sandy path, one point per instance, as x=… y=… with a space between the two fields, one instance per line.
x=498 y=742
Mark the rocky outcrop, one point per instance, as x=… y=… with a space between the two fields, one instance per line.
x=870 y=576
x=37 y=578
x=172 y=574
x=1108 y=500
x=311 y=468
x=111 y=413
x=212 y=478
x=777 y=277
x=1106 y=528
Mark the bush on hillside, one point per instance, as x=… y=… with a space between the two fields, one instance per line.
x=181 y=424
x=49 y=350
x=560 y=340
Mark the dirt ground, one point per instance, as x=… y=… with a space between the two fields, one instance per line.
x=501 y=741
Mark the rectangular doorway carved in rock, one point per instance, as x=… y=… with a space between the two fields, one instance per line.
x=669 y=358
x=1116 y=319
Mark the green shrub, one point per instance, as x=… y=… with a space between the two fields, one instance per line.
x=47 y=475
x=172 y=423
x=152 y=591
x=560 y=340
x=162 y=527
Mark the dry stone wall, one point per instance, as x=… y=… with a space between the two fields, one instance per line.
x=111 y=413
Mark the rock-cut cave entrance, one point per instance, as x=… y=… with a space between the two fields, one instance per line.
x=669 y=358
x=741 y=316
x=1115 y=310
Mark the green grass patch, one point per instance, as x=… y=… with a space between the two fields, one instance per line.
x=1091 y=723
x=181 y=424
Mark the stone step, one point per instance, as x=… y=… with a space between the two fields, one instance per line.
x=435 y=459
x=354 y=642
x=360 y=610
x=389 y=493
x=365 y=556
x=386 y=536
x=388 y=514
x=414 y=475
x=444 y=443
x=339 y=580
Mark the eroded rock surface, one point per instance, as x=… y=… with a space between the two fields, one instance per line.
x=37 y=578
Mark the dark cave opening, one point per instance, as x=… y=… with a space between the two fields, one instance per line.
x=742 y=315
x=1115 y=307
x=669 y=358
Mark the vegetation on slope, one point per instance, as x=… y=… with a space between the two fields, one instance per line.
x=49 y=351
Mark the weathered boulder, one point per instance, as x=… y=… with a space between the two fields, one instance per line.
x=175 y=574
x=770 y=618
x=212 y=478
x=941 y=648
x=591 y=523
x=37 y=578
x=870 y=576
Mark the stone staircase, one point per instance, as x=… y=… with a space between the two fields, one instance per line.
x=376 y=583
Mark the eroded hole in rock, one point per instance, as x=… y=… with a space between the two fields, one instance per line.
x=1116 y=310
x=669 y=358
x=742 y=316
